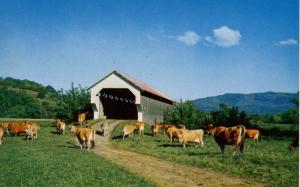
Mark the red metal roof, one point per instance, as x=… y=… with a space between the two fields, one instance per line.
x=144 y=86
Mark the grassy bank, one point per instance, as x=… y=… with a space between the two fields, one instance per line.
x=53 y=160
x=268 y=161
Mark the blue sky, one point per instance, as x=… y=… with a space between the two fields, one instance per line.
x=186 y=49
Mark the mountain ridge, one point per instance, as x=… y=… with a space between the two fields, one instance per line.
x=261 y=103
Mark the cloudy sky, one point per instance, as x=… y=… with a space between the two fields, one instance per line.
x=184 y=48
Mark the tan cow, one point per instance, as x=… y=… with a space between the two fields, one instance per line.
x=155 y=128
x=186 y=136
x=82 y=117
x=103 y=128
x=1 y=135
x=252 y=134
x=165 y=127
x=32 y=131
x=172 y=133
x=60 y=126
x=140 y=127
x=128 y=130
x=85 y=136
x=5 y=127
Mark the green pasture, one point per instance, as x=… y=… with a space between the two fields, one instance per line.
x=268 y=161
x=54 y=160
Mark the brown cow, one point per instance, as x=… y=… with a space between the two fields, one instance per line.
x=252 y=134
x=60 y=126
x=128 y=130
x=186 y=136
x=1 y=135
x=17 y=129
x=228 y=136
x=140 y=127
x=85 y=136
x=155 y=128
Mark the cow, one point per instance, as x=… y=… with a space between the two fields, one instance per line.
x=103 y=128
x=128 y=130
x=82 y=117
x=294 y=144
x=186 y=136
x=17 y=129
x=228 y=136
x=165 y=127
x=85 y=136
x=252 y=134
x=1 y=135
x=140 y=127
x=172 y=133
x=60 y=126
x=155 y=128
x=32 y=131
x=5 y=127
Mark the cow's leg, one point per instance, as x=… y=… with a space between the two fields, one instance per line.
x=242 y=147
x=123 y=136
x=235 y=148
x=222 y=147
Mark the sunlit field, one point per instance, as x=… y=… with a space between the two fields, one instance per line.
x=54 y=160
x=269 y=161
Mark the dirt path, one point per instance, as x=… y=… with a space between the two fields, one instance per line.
x=165 y=173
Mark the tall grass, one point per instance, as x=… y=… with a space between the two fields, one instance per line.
x=53 y=160
x=267 y=161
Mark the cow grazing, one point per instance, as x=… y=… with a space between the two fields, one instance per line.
x=1 y=135
x=252 y=134
x=294 y=144
x=103 y=128
x=228 y=136
x=60 y=126
x=82 y=117
x=85 y=136
x=155 y=128
x=17 y=129
x=140 y=127
x=186 y=136
x=172 y=133
x=32 y=131
x=128 y=130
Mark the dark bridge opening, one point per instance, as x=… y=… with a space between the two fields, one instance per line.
x=118 y=103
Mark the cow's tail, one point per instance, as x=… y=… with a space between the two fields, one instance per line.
x=93 y=139
x=242 y=133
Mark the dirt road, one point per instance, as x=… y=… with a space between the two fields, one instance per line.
x=165 y=173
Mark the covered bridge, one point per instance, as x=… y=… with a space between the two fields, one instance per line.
x=119 y=96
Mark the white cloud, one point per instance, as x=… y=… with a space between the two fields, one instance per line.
x=189 y=38
x=224 y=37
x=288 y=42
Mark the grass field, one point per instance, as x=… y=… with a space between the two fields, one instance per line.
x=53 y=160
x=268 y=161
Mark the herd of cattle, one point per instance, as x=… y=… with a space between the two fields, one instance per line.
x=223 y=135
x=235 y=135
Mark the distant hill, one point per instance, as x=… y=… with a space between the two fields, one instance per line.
x=260 y=103
x=24 y=98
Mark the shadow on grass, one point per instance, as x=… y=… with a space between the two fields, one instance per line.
x=172 y=145
x=70 y=145
x=117 y=137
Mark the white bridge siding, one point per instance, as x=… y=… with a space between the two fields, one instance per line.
x=149 y=109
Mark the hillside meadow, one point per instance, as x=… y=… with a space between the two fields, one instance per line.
x=54 y=160
x=268 y=161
